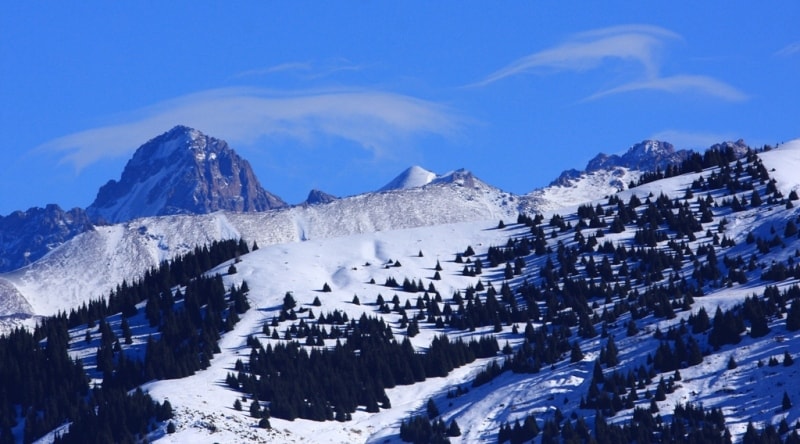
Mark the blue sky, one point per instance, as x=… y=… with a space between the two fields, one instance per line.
x=342 y=96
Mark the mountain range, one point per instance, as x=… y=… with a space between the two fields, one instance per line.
x=184 y=171
x=653 y=294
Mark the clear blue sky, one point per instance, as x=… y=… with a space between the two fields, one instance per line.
x=342 y=96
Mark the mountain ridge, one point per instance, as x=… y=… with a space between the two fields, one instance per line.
x=156 y=183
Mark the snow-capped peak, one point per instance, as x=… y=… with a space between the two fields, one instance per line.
x=413 y=177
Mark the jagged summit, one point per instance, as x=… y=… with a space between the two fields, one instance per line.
x=648 y=155
x=460 y=176
x=182 y=171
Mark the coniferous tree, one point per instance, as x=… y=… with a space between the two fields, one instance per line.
x=431 y=408
x=453 y=430
x=793 y=317
x=255 y=408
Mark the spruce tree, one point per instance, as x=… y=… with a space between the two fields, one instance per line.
x=431 y=408
x=453 y=430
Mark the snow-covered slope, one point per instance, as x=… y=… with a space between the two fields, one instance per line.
x=580 y=188
x=347 y=264
x=91 y=264
x=750 y=392
x=747 y=393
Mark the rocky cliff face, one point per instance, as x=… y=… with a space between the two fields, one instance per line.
x=25 y=236
x=182 y=171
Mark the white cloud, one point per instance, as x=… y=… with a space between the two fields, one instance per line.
x=789 y=50
x=304 y=69
x=637 y=44
x=679 y=84
x=587 y=50
x=691 y=140
x=283 y=67
x=378 y=121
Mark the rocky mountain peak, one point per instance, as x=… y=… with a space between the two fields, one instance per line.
x=182 y=171
x=648 y=155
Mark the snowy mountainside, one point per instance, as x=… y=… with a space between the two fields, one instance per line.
x=744 y=394
x=347 y=264
x=581 y=188
x=91 y=264
x=749 y=391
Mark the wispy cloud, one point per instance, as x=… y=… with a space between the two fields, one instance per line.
x=691 y=139
x=639 y=45
x=304 y=69
x=378 y=121
x=679 y=84
x=587 y=50
x=789 y=50
x=283 y=67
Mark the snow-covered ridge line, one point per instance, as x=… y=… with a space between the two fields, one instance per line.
x=89 y=265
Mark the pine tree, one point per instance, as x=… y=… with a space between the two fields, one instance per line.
x=431 y=408
x=793 y=317
x=786 y=403
x=453 y=430
x=288 y=301
x=255 y=408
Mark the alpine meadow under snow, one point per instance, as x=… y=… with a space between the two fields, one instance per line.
x=624 y=303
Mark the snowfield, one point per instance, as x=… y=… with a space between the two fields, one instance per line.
x=90 y=265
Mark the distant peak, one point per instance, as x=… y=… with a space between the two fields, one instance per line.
x=413 y=177
x=647 y=155
x=316 y=197
x=460 y=176
x=650 y=147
